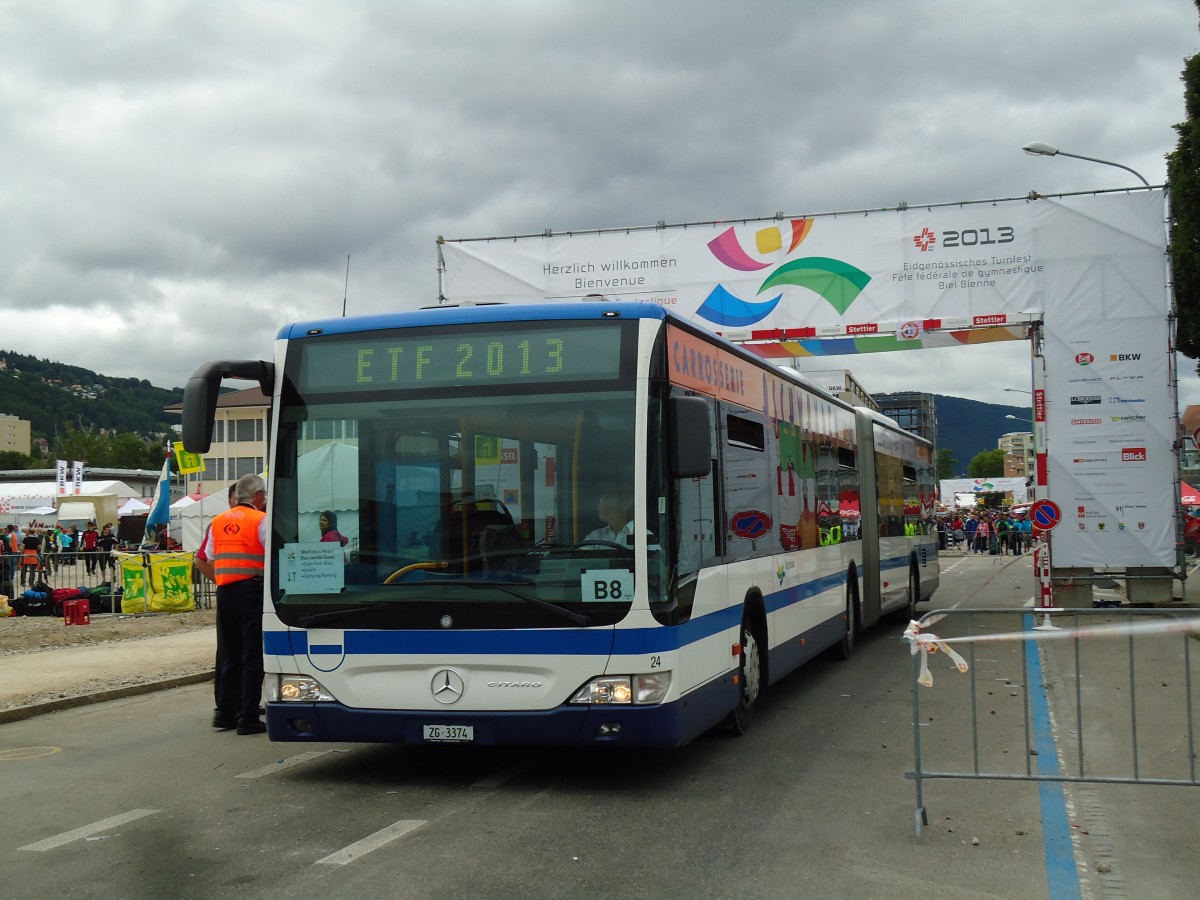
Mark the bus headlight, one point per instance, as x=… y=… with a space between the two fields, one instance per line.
x=624 y=689
x=295 y=689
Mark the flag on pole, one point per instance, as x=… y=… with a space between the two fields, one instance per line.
x=186 y=463
x=77 y=476
x=160 y=507
x=62 y=478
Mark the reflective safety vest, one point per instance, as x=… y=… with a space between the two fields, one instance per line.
x=237 y=552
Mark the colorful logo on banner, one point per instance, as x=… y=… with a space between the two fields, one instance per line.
x=837 y=281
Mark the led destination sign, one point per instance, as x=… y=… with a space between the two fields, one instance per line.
x=437 y=359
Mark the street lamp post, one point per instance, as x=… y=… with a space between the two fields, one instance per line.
x=1041 y=148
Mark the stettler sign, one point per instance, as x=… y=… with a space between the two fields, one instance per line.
x=1085 y=275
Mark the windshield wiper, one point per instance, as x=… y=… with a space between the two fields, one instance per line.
x=573 y=617
x=330 y=615
x=563 y=613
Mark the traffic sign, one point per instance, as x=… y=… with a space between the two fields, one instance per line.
x=1045 y=514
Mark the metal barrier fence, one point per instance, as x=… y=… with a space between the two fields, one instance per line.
x=59 y=570
x=1097 y=731
x=19 y=572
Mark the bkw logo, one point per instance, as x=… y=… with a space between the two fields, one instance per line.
x=1125 y=357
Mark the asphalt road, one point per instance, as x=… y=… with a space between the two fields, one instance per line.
x=140 y=797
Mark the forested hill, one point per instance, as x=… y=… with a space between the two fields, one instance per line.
x=51 y=395
x=967 y=427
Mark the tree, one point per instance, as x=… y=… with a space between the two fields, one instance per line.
x=1183 y=174
x=946 y=463
x=76 y=443
x=11 y=459
x=987 y=464
x=107 y=451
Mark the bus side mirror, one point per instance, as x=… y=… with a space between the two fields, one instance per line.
x=200 y=396
x=690 y=437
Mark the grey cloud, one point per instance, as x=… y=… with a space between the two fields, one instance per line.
x=197 y=173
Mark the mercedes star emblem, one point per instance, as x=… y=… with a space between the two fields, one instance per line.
x=447 y=686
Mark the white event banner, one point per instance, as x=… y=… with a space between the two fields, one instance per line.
x=949 y=488
x=1092 y=268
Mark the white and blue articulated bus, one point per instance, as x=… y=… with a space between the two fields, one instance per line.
x=567 y=524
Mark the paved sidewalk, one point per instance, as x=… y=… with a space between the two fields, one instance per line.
x=41 y=681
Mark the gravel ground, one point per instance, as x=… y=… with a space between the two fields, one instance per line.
x=111 y=657
x=20 y=634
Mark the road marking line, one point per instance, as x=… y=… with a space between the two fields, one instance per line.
x=287 y=763
x=87 y=830
x=18 y=753
x=347 y=855
x=1062 y=876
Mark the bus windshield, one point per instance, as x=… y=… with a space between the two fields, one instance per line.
x=480 y=504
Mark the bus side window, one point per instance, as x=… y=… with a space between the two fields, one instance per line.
x=749 y=450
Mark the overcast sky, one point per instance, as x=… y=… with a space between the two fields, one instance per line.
x=181 y=178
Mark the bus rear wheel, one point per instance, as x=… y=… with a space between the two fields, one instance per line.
x=750 y=675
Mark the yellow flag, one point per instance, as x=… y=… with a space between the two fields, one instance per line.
x=185 y=462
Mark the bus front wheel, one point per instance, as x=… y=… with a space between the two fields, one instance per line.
x=750 y=674
x=845 y=648
x=914 y=595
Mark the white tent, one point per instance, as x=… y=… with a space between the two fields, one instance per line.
x=328 y=479
x=132 y=507
x=189 y=522
x=39 y=513
x=21 y=496
x=184 y=502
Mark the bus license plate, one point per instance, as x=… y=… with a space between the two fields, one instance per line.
x=449 y=732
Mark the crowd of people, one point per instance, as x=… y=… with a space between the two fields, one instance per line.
x=994 y=532
x=38 y=550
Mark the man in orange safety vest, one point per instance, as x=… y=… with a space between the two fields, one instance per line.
x=236 y=548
